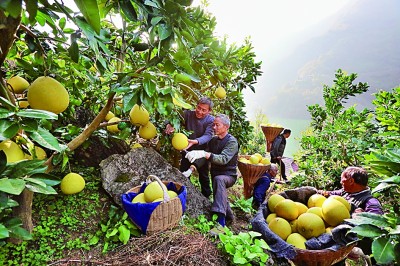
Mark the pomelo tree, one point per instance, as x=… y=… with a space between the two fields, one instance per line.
x=112 y=55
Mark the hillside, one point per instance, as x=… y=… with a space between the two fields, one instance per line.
x=363 y=38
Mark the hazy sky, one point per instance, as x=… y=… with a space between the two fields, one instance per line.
x=272 y=27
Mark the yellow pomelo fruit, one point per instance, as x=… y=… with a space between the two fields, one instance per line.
x=273 y=200
x=12 y=150
x=180 y=141
x=159 y=199
x=18 y=84
x=310 y=225
x=301 y=207
x=265 y=161
x=220 y=92
x=23 y=104
x=281 y=227
x=153 y=191
x=172 y=194
x=342 y=200
x=287 y=209
x=40 y=153
x=137 y=145
x=315 y=200
x=293 y=225
x=46 y=93
x=139 y=198
x=334 y=212
x=316 y=210
x=113 y=128
x=139 y=115
x=270 y=217
x=328 y=230
x=109 y=115
x=243 y=160
x=297 y=240
x=72 y=183
x=147 y=131
x=259 y=156
x=254 y=159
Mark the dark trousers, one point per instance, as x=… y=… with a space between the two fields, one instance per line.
x=281 y=166
x=202 y=169
x=221 y=203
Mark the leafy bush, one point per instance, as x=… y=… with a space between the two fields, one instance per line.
x=244 y=248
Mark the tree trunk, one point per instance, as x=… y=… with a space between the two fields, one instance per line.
x=24 y=212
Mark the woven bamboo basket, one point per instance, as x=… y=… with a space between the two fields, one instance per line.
x=250 y=173
x=322 y=257
x=168 y=212
x=270 y=134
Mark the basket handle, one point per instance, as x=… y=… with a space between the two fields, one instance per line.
x=163 y=187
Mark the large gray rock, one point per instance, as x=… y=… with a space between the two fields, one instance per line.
x=121 y=172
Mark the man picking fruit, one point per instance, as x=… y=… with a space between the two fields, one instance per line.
x=222 y=154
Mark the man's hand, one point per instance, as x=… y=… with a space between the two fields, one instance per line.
x=191 y=143
x=194 y=155
x=169 y=129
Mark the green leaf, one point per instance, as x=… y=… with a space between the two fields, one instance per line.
x=149 y=85
x=128 y=10
x=45 y=139
x=31 y=7
x=73 y=52
x=5 y=113
x=14 y=7
x=383 y=250
x=34 y=113
x=90 y=11
x=35 y=181
x=3 y=232
x=6 y=202
x=367 y=230
x=21 y=233
x=12 y=186
x=124 y=234
x=94 y=240
x=48 y=179
x=238 y=259
x=164 y=31
x=370 y=218
x=9 y=130
x=25 y=168
x=39 y=189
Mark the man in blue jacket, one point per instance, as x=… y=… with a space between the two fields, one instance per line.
x=200 y=122
x=262 y=185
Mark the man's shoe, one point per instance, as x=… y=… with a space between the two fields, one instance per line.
x=218 y=229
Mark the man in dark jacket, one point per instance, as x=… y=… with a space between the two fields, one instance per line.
x=222 y=154
x=277 y=150
x=200 y=122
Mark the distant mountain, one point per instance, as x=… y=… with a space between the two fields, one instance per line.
x=364 y=38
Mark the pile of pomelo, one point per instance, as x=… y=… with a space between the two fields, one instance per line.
x=153 y=193
x=255 y=159
x=295 y=222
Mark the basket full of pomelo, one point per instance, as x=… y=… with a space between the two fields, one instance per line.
x=252 y=167
x=305 y=227
x=271 y=131
x=156 y=205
